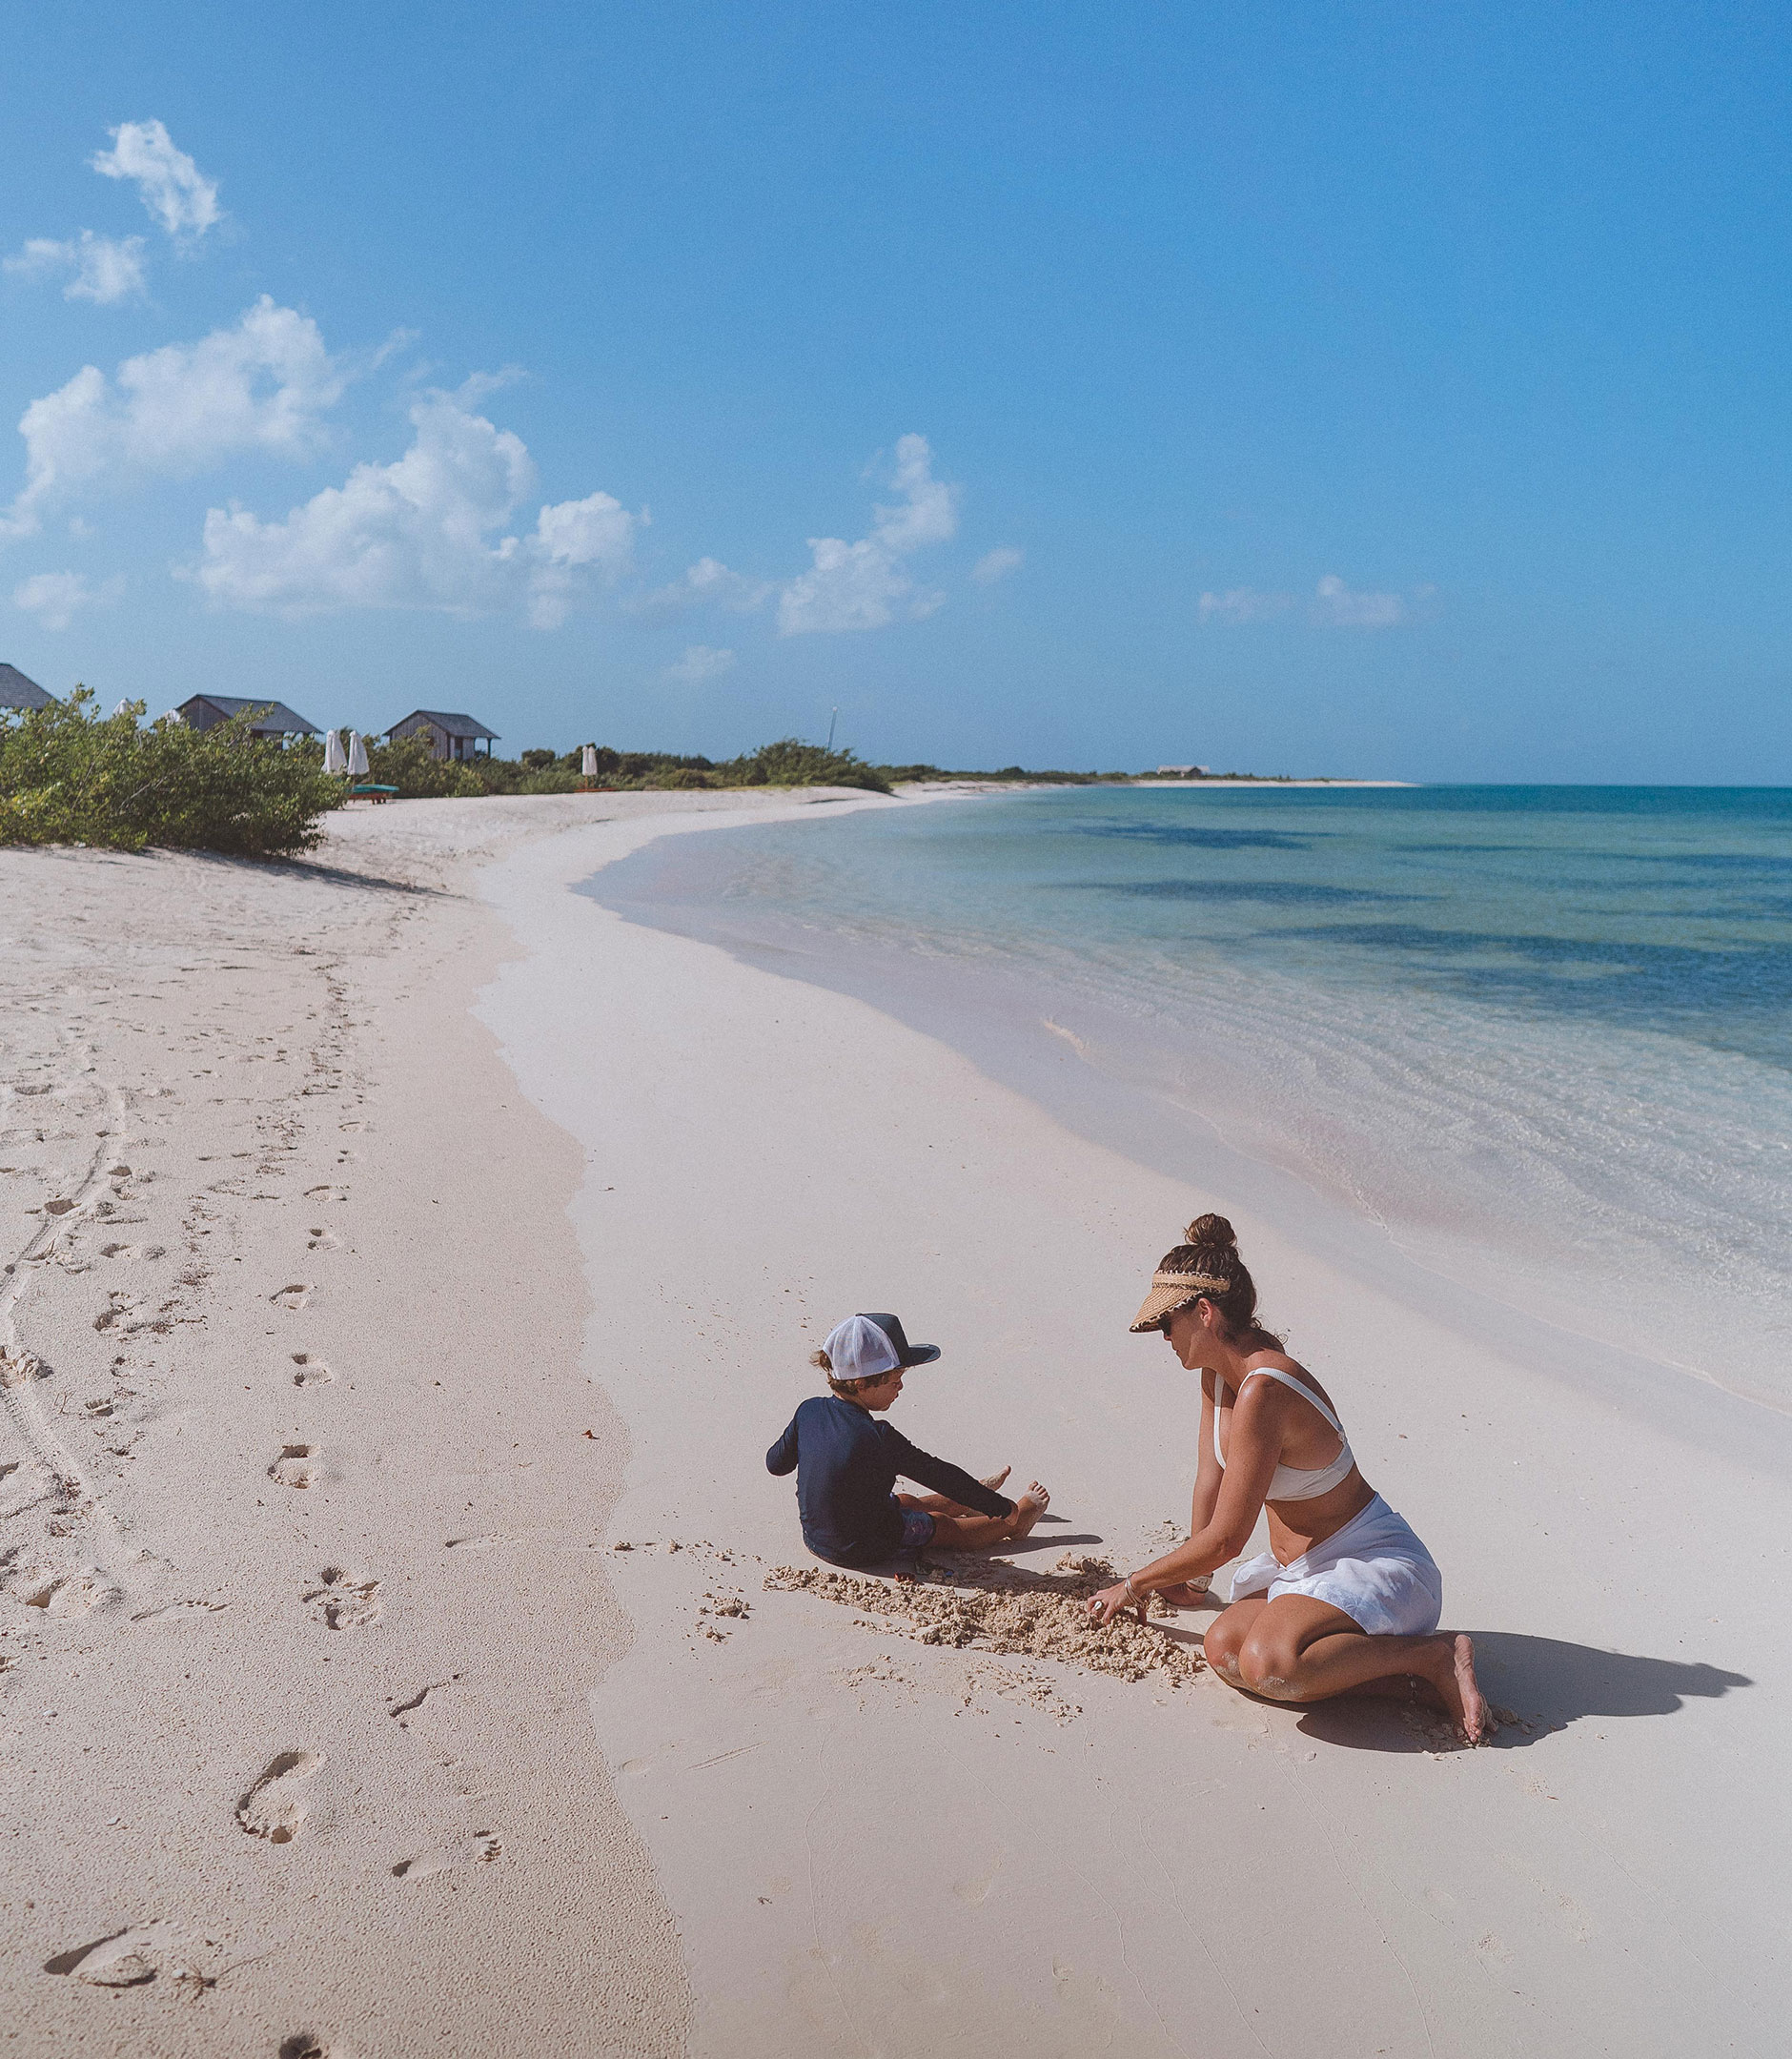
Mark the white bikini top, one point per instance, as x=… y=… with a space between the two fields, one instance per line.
x=1291 y=1484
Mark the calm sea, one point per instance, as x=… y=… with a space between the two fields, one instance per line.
x=1537 y=1039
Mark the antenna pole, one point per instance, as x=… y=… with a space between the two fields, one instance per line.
x=831 y=721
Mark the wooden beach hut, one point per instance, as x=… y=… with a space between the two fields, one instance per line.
x=16 y=691
x=450 y=736
x=205 y=712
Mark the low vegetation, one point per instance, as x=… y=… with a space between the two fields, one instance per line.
x=71 y=775
x=409 y=766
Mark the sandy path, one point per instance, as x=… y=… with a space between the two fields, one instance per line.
x=300 y=1477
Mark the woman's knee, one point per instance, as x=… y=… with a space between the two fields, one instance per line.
x=1266 y=1662
x=1223 y=1642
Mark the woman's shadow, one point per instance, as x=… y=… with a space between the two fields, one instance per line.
x=1544 y=1682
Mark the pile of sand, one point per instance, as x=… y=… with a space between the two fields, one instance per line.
x=997 y=1607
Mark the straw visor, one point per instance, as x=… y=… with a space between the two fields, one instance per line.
x=1169 y=1292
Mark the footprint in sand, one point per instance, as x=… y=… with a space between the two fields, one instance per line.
x=131 y=1959
x=19 y=1368
x=326 y=1194
x=344 y=1602
x=297 y=1466
x=64 y=1594
x=482 y=1849
x=117 y=1251
x=304 y=2045
x=274 y=1808
x=311 y=1372
x=321 y=1240
x=294 y=1297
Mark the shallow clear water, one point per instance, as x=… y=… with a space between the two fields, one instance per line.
x=1542 y=1036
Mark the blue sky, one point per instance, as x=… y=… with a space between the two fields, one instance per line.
x=1382 y=388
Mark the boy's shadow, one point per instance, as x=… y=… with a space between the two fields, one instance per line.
x=1032 y=1541
x=1546 y=1682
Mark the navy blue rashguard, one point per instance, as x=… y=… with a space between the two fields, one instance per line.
x=846 y=1461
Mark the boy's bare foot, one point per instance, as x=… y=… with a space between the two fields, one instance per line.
x=995 y=1480
x=1029 y=1508
x=1454 y=1679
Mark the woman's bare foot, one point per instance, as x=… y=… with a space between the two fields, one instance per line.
x=1454 y=1679
x=995 y=1480
x=1029 y=1508
x=1185 y=1593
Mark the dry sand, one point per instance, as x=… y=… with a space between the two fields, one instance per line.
x=397 y=1654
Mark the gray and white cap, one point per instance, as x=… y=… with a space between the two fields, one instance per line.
x=863 y=1347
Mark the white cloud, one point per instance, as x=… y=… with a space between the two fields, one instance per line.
x=997 y=565
x=710 y=582
x=55 y=598
x=1244 y=604
x=927 y=511
x=863 y=585
x=171 y=187
x=261 y=385
x=1335 y=608
x=574 y=541
x=106 y=269
x=700 y=661
x=428 y=531
x=849 y=586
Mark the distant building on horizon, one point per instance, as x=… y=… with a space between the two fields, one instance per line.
x=19 y=692
x=1184 y=771
x=450 y=736
x=205 y=712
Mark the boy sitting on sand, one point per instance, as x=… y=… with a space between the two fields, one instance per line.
x=846 y=1461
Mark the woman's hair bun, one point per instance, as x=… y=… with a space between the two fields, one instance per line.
x=1205 y=1232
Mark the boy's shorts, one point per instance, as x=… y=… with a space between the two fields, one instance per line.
x=918 y=1528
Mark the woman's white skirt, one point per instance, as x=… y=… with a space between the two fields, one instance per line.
x=1374 y=1569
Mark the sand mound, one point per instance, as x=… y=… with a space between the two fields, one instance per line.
x=1002 y=1609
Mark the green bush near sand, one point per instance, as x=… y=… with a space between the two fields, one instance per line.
x=71 y=775
x=409 y=766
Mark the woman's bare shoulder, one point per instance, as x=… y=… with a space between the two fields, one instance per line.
x=1278 y=1361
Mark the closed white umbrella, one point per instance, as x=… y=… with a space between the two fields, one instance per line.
x=589 y=767
x=357 y=756
x=334 y=758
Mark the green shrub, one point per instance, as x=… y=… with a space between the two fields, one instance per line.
x=71 y=775
x=791 y=763
x=410 y=766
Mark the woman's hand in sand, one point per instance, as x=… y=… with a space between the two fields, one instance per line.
x=1112 y=1602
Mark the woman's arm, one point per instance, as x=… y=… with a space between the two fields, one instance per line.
x=1253 y=1453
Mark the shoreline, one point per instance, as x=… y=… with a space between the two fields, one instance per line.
x=1002 y=1020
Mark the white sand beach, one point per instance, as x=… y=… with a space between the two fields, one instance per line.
x=409 y=1263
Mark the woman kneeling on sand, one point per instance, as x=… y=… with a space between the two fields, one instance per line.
x=1346 y=1600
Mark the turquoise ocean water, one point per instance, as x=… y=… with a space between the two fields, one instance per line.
x=1537 y=1040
